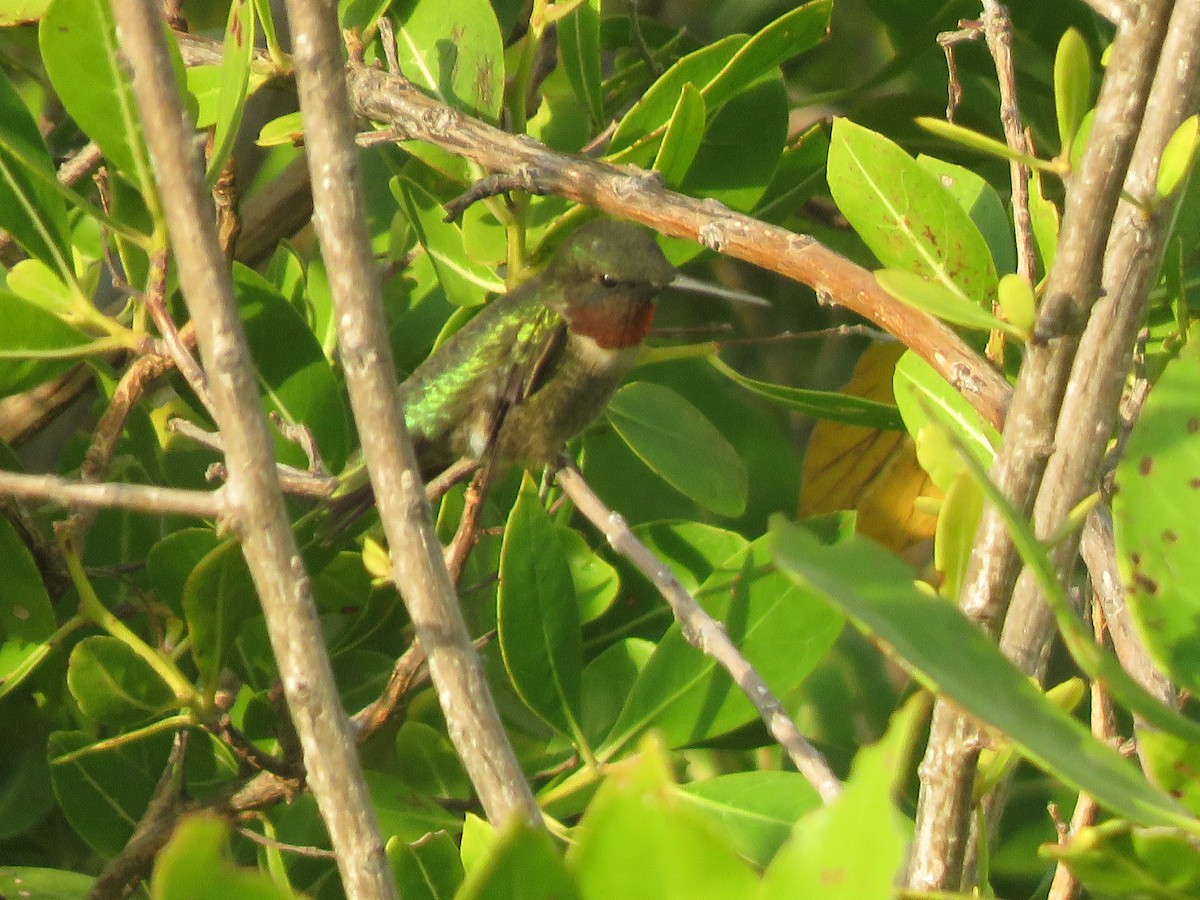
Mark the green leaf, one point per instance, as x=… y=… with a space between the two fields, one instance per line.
x=43 y=884
x=452 y=50
x=751 y=128
x=1015 y=298
x=1156 y=515
x=19 y=12
x=949 y=655
x=1114 y=859
x=694 y=550
x=819 y=404
x=36 y=282
x=788 y=36
x=171 y=561
x=79 y=47
x=523 y=862
x=30 y=210
x=360 y=14
x=403 y=813
x=234 y=78
x=579 y=47
x=683 y=694
x=218 y=598
x=26 y=615
x=719 y=71
x=429 y=763
x=285 y=129
x=295 y=377
x=918 y=388
x=945 y=303
x=756 y=809
x=982 y=203
x=799 y=175
x=682 y=139
x=1177 y=156
x=1044 y=218
x=832 y=839
x=904 y=215
x=465 y=281
x=103 y=794
x=35 y=345
x=1174 y=764
x=674 y=439
x=640 y=839
x=607 y=680
x=115 y=686
x=539 y=615
x=195 y=865
x=596 y=582
x=954 y=539
x=981 y=143
x=1072 y=85
x=428 y=869
x=634 y=139
x=26 y=795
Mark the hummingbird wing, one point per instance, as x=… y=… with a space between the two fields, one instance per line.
x=535 y=356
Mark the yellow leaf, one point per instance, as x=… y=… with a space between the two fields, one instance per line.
x=872 y=472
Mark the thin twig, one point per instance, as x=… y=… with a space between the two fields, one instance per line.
x=291 y=480
x=704 y=633
x=178 y=343
x=997 y=31
x=310 y=852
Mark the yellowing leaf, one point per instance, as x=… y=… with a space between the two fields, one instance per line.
x=873 y=472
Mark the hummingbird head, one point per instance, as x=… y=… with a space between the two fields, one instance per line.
x=606 y=278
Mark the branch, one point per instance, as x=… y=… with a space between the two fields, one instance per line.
x=704 y=633
x=941 y=841
x=157 y=501
x=417 y=564
x=632 y=193
x=253 y=489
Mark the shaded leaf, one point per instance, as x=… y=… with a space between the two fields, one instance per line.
x=80 y=49
x=539 y=616
x=579 y=48
x=30 y=210
x=674 y=439
x=27 y=617
x=113 y=685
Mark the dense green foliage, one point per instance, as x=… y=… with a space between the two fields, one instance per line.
x=655 y=773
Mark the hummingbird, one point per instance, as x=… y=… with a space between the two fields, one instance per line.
x=539 y=364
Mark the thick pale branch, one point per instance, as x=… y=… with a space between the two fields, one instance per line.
x=418 y=568
x=253 y=489
x=1074 y=284
x=139 y=497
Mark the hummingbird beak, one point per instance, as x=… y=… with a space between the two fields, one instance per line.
x=696 y=286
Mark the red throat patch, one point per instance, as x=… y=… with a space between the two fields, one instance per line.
x=612 y=329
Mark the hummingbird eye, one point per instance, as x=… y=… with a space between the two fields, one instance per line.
x=609 y=281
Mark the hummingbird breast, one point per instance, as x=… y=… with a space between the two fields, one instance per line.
x=569 y=399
